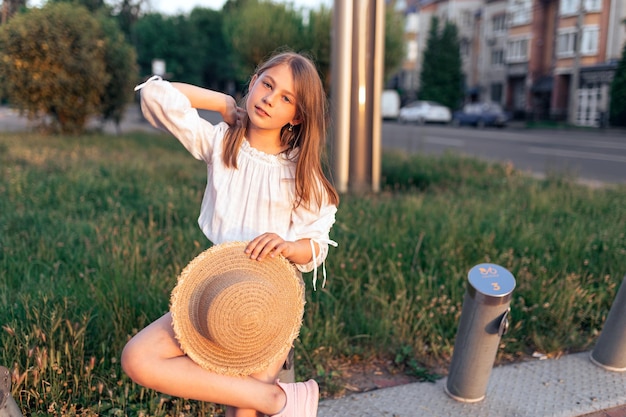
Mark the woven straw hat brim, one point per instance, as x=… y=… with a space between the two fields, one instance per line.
x=272 y=284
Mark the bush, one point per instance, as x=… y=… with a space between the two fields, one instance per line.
x=53 y=64
x=121 y=65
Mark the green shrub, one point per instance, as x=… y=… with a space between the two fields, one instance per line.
x=53 y=62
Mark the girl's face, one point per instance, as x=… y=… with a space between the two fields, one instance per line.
x=271 y=100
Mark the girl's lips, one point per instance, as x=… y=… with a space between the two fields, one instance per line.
x=260 y=111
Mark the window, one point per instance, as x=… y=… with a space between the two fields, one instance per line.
x=464 y=47
x=589 y=44
x=593 y=5
x=466 y=18
x=569 y=6
x=411 y=23
x=497 y=57
x=517 y=50
x=498 y=23
x=411 y=51
x=566 y=43
x=520 y=12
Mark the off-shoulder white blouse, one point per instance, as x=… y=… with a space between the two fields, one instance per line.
x=238 y=204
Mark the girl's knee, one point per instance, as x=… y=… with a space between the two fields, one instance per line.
x=131 y=359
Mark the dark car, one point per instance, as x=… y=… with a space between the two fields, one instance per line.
x=480 y=115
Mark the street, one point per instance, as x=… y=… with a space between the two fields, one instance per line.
x=592 y=156
x=589 y=155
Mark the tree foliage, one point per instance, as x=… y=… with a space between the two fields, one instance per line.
x=618 y=93
x=193 y=47
x=258 y=28
x=63 y=64
x=319 y=42
x=216 y=64
x=219 y=49
x=52 y=61
x=441 y=76
x=121 y=65
x=394 y=41
x=10 y=7
x=91 y=5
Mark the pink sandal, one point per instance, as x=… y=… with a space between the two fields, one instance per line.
x=302 y=399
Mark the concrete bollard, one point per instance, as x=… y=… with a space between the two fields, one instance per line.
x=8 y=407
x=610 y=350
x=484 y=319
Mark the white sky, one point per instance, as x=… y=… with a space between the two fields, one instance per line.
x=185 y=6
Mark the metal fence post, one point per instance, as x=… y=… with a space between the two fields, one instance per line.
x=8 y=407
x=484 y=319
x=610 y=350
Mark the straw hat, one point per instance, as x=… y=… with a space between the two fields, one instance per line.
x=236 y=316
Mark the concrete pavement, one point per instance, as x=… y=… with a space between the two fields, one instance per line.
x=570 y=386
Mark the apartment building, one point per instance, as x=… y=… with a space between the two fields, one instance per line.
x=540 y=59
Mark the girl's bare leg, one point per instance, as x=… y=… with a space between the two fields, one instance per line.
x=269 y=376
x=153 y=359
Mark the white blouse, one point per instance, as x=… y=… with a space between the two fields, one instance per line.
x=239 y=204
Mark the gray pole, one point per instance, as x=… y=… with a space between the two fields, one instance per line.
x=377 y=88
x=610 y=350
x=341 y=73
x=484 y=319
x=367 y=66
x=360 y=145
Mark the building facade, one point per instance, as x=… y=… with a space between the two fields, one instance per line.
x=540 y=59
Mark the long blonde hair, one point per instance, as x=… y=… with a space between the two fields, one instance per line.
x=309 y=136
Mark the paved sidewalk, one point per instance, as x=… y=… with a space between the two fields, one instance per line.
x=567 y=387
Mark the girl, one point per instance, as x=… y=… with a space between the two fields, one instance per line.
x=265 y=185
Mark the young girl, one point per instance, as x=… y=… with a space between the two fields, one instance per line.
x=265 y=185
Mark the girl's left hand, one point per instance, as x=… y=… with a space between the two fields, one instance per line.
x=269 y=244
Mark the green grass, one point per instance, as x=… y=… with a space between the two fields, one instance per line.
x=95 y=229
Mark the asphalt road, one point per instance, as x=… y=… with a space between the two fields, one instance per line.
x=589 y=155
x=593 y=156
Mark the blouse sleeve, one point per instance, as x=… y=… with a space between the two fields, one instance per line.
x=168 y=109
x=315 y=225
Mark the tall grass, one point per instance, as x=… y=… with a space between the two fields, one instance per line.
x=95 y=229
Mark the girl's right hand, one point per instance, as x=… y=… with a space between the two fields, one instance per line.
x=232 y=114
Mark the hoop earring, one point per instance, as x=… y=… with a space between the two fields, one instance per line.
x=290 y=128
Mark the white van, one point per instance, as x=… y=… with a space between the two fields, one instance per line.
x=390 y=104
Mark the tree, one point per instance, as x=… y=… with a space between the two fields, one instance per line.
x=441 y=76
x=451 y=64
x=179 y=40
x=52 y=61
x=121 y=65
x=257 y=29
x=319 y=42
x=10 y=7
x=394 y=41
x=216 y=67
x=127 y=14
x=618 y=93
x=91 y=5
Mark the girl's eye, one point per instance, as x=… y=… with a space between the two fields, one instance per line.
x=286 y=99
x=267 y=85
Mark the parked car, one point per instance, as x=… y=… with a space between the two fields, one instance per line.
x=481 y=115
x=390 y=104
x=424 y=112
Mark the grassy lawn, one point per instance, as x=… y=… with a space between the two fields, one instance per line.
x=94 y=230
